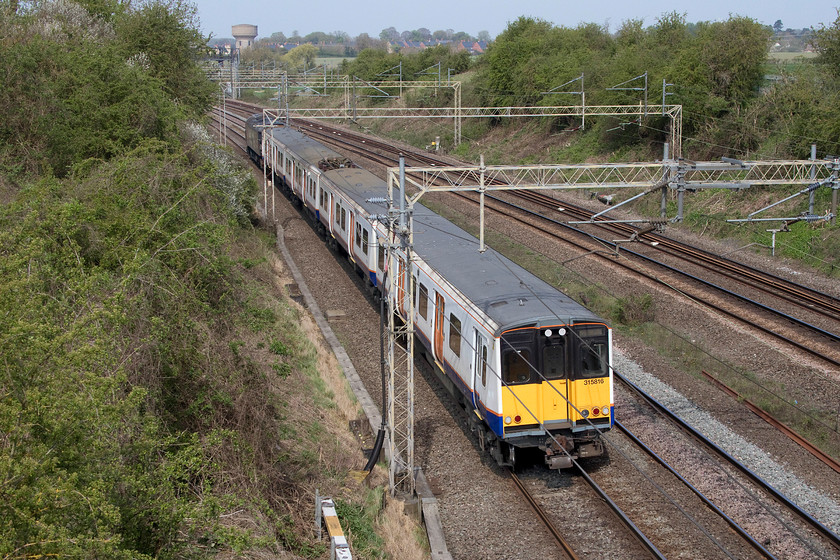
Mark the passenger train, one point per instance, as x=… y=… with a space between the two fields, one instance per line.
x=531 y=367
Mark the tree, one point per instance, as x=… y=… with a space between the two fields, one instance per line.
x=74 y=95
x=302 y=56
x=389 y=34
x=105 y=9
x=778 y=26
x=262 y=54
x=166 y=35
x=316 y=37
x=421 y=34
x=365 y=41
x=484 y=36
x=827 y=43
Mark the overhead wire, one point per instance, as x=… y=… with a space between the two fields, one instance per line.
x=505 y=385
x=554 y=388
x=736 y=371
x=540 y=375
x=696 y=444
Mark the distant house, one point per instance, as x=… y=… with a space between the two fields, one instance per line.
x=472 y=47
x=477 y=47
x=407 y=47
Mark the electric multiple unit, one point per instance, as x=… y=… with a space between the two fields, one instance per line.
x=531 y=366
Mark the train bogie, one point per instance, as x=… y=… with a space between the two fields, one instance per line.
x=530 y=366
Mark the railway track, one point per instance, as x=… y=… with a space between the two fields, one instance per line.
x=718 y=508
x=749 y=504
x=801 y=296
x=814 y=340
x=811 y=303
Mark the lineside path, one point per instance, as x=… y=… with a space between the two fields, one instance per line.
x=431 y=516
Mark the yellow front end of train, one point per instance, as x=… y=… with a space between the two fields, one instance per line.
x=557 y=388
x=557 y=404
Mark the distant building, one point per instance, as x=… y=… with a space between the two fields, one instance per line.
x=244 y=34
x=406 y=47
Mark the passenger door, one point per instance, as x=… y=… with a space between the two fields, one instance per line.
x=555 y=387
x=440 y=313
x=479 y=367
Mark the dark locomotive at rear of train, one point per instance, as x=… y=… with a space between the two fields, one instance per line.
x=531 y=367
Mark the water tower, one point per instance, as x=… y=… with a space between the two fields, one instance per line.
x=244 y=35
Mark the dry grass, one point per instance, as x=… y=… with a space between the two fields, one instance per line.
x=339 y=455
x=400 y=530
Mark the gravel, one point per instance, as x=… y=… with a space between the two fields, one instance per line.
x=473 y=494
x=817 y=504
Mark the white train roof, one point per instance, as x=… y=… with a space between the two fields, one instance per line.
x=510 y=295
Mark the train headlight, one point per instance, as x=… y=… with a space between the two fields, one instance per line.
x=605 y=410
x=507 y=419
x=584 y=413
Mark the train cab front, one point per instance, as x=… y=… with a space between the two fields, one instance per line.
x=557 y=389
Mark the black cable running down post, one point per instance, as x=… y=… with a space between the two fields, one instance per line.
x=380 y=436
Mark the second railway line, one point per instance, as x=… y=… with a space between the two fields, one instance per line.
x=675 y=556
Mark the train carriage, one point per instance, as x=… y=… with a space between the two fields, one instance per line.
x=530 y=365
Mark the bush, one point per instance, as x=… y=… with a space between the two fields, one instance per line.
x=633 y=310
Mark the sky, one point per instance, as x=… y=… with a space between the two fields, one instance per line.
x=472 y=16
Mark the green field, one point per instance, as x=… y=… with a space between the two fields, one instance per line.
x=332 y=61
x=790 y=56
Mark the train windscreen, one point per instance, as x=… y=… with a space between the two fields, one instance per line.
x=592 y=352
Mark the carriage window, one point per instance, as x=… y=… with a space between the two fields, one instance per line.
x=343 y=219
x=455 y=334
x=323 y=198
x=365 y=239
x=358 y=234
x=337 y=213
x=516 y=366
x=484 y=365
x=423 y=304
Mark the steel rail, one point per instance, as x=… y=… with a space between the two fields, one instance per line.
x=834 y=337
x=731 y=522
x=758 y=480
x=640 y=536
x=803 y=296
x=541 y=513
x=813 y=300
x=792 y=434
x=767 y=487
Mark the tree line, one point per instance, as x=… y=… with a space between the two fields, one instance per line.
x=390 y=34
x=734 y=100
x=129 y=413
